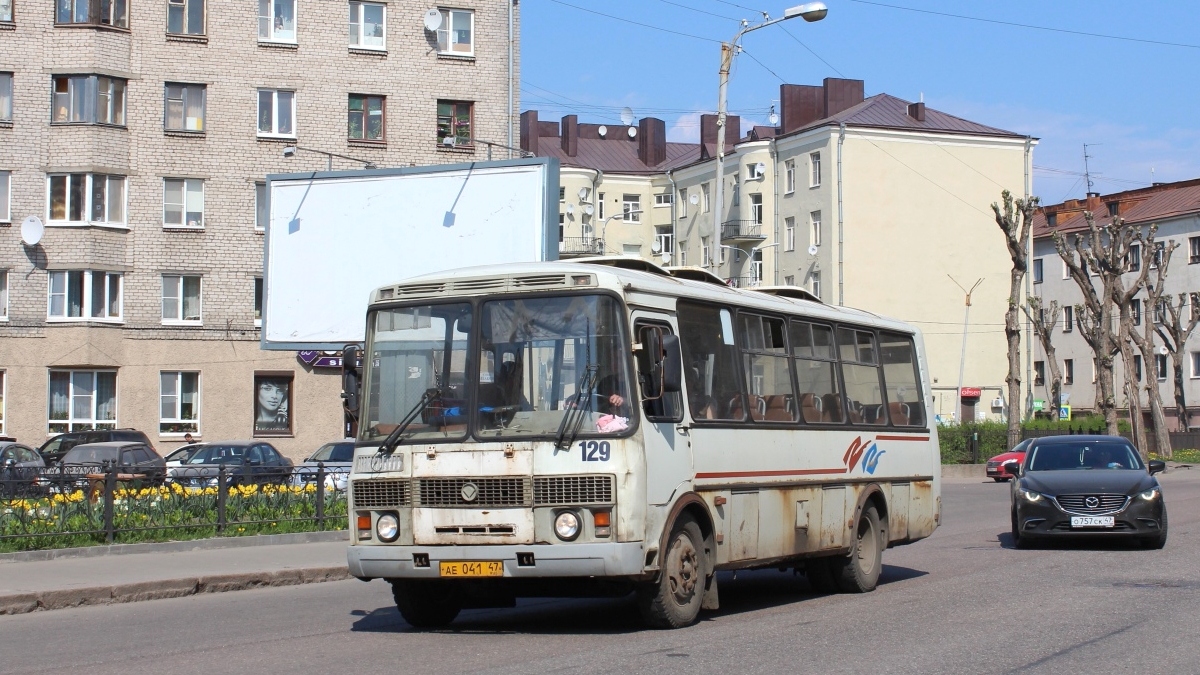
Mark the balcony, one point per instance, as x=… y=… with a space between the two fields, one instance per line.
x=575 y=247
x=744 y=281
x=742 y=231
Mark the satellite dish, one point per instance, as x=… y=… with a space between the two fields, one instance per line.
x=812 y=250
x=632 y=132
x=655 y=247
x=602 y=130
x=588 y=209
x=694 y=199
x=433 y=20
x=760 y=169
x=773 y=118
x=583 y=193
x=1163 y=350
x=570 y=208
x=32 y=231
x=626 y=115
x=666 y=257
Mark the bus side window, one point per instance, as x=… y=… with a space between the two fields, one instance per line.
x=906 y=405
x=816 y=374
x=658 y=405
x=710 y=363
x=860 y=372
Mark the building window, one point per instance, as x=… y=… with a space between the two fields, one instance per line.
x=6 y=96
x=814 y=228
x=662 y=200
x=88 y=99
x=1068 y=319
x=81 y=400
x=664 y=240
x=736 y=191
x=183 y=202
x=258 y=301
x=789 y=280
x=756 y=207
x=600 y=206
x=86 y=198
x=683 y=202
x=455 y=35
x=1066 y=270
x=277 y=20
x=1 y=394
x=1039 y=373
x=1160 y=312
x=1068 y=371
x=180 y=299
x=365 y=120
x=261 y=207
x=814 y=284
x=179 y=402
x=1160 y=367
x=276 y=112
x=814 y=162
x=789 y=233
x=1051 y=220
x=752 y=172
x=1193 y=247
x=454 y=123
x=95 y=12
x=631 y=208
x=683 y=254
x=367 y=25
x=704 y=198
x=789 y=176
x=272 y=404
x=705 y=252
x=1134 y=258
x=1114 y=209
x=1135 y=308
x=5 y=196
x=756 y=267
x=1158 y=255
x=84 y=295
x=3 y=295
x=185 y=17
x=1037 y=270
x=1137 y=367
x=1195 y=365
x=184 y=107
x=5 y=16
x=562 y=194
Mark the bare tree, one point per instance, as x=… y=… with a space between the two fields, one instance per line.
x=1043 y=322
x=1145 y=342
x=1175 y=332
x=1122 y=295
x=1015 y=219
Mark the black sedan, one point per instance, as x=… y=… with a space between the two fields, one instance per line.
x=244 y=462
x=1079 y=486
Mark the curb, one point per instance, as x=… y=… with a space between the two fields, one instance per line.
x=23 y=603
x=213 y=543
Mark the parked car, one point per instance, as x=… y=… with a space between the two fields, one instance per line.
x=19 y=468
x=182 y=454
x=996 y=469
x=1073 y=486
x=53 y=450
x=244 y=461
x=139 y=461
x=337 y=457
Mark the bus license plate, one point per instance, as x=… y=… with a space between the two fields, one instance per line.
x=467 y=568
x=1092 y=521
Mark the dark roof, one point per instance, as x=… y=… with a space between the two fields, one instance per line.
x=888 y=112
x=1138 y=207
x=616 y=155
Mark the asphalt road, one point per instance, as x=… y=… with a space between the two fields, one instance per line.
x=961 y=601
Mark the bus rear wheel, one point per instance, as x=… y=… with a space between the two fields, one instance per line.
x=425 y=604
x=859 y=571
x=674 y=600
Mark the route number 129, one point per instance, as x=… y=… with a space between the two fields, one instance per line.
x=593 y=451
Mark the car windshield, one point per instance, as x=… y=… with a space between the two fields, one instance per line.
x=334 y=452
x=1093 y=454
x=218 y=454
x=183 y=454
x=90 y=455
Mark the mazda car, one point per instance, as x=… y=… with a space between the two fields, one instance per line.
x=1086 y=486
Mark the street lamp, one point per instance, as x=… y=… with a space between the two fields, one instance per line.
x=290 y=151
x=604 y=225
x=809 y=11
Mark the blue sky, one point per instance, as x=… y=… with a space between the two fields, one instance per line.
x=1137 y=102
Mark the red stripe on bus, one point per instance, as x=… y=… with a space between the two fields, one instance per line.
x=752 y=474
x=901 y=438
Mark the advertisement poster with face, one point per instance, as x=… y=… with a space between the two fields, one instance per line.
x=272 y=402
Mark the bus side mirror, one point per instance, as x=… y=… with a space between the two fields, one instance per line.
x=672 y=364
x=351 y=379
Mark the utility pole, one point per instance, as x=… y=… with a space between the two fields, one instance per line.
x=1086 y=173
x=962 y=361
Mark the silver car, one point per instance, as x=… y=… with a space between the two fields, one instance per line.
x=19 y=468
x=337 y=458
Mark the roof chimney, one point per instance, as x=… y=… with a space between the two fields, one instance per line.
x=841 y=94
x=917 y=111
x=708 y=133
x=570 y=135
x=530 y=131
x=652 y=141
x=800 y=105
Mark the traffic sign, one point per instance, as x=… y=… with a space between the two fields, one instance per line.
x=1064 y=413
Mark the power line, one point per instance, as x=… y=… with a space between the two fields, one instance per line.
x=734 y=4
x=636 y=23
x=810 y=50
x=752 y=57
x=1094 y=176
x=1030 y=26
x=701 y=11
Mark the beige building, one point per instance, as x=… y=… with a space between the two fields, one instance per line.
x=875 y=203
x=140 y=134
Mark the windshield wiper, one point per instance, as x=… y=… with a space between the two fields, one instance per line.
x=573 y=420
x=393 y=439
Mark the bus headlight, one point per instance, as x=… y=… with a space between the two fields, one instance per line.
x=566 y=525
x=387 y=527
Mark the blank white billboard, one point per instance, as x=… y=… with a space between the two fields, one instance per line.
x=333 y=237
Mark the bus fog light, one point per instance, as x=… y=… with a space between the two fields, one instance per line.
x=566 y=526
x=387 y=526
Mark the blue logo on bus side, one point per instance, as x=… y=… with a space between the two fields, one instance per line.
x=870 y=460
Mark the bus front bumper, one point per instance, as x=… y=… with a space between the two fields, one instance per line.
x=606 y=559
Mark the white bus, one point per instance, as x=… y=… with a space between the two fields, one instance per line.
x=607 y=427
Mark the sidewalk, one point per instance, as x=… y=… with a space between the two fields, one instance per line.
x=31 y=585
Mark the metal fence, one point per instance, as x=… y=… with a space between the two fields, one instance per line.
x=56 y=507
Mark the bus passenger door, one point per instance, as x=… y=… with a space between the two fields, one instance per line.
x=667 y=452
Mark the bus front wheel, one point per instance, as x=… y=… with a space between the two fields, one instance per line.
x=674 y=600
x=425 y=604
x=859 y=571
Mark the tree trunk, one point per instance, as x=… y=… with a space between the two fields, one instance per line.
x=1180 y=398
x=1012 y=331
x=1107 y=402
x=1134 y=396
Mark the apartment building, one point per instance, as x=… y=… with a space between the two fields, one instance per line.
x=1175 y=208
x=140 y=132
x=873 y=202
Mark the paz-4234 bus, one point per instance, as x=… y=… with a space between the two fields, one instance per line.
x=610 y=427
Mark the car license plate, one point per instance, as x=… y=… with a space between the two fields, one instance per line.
x=1092 y=521
x=467 y=568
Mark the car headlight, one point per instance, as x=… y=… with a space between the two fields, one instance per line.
x=566 y=525
x=387 y=527
x=1151 y=494
x=1030 y=495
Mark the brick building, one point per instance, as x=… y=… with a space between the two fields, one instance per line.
x=140 y=132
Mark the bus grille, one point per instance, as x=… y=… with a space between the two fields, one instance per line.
x=1079 y=504
x=375 y=494
x=553 y=490
x=488 y=492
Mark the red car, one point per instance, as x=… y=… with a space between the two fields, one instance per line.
x=995 y=465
